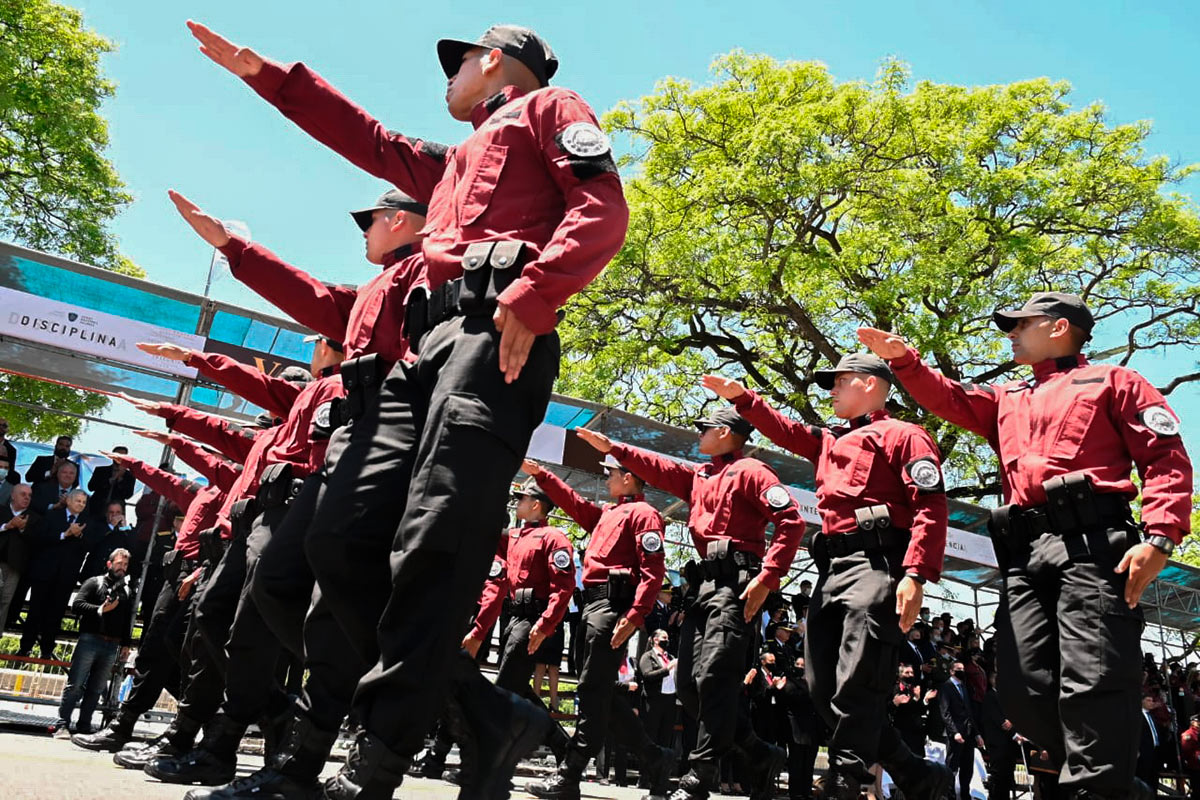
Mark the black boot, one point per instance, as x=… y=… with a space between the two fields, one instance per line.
x=563 y=785
x=764 y=769
x=697 y=783
x=371 y=772
x=211 y=763
x=175 y=741
x=656 y=767
x=430 y=765
x=274 y=730
x=503 y=728
x=111 y=739
x=923 y=780
x=290 y=775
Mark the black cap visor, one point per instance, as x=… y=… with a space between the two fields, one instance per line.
x=450 y=54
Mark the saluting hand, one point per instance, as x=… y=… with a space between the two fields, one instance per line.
x=149 y=406
x=516 y=340
x=909 y=596
x=531 y=467
x=723 y=387
x=881 y=343
x=207 y=226
x=622 y=632
x=117 y=458
x=154 y=436
x=597 y=440
x=1143 y=562
x=171 y=352
x=755 y=594
x=241 y=61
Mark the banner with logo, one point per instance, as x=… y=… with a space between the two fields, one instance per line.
x=82 y=330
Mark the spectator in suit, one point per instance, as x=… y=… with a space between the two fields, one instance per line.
x=908 y=710
x=112 y=483
x=1002 y=748
x=44 y=468
x=1149 y=759
x=114 y=535
x=10 y=475
x=917 y=650
x=105 y=608
x=60 y=547
x=17 y=526
x=6 y=487
x=801 y=599
x=656 y=666
x=962 y=734
x=52 y=493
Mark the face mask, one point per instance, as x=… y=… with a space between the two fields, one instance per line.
x=960 y=674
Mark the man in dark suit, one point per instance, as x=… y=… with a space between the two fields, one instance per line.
x=43 y=468
x=10 y=476
x=1149 y=758
x=908 y=709
x=962 y=733
x=52 y=493
x=114 y=535
x=1002 y=748
x=917 y=650
x=112 y=483
x=17 y=526
x=61 y=545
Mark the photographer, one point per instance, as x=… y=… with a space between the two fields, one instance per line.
x=104 y=608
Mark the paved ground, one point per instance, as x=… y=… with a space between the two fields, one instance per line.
x=38 y=767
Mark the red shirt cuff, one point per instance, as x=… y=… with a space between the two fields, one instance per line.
x=233 y=250
x=269 y=80
x=1163 y=529
x=529 y=307
x=770 y=578
x=634 y=617
x=906 y=359
x=928 y=573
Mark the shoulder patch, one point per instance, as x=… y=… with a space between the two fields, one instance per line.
x=777 y=497
x=1160 y=420
x=652 y=542
x=496 y=569
x=561 y=559
x=323 y=414
x=584 y=139
x=925 y=474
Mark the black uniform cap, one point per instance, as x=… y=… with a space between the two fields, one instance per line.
x=521 y=43
x=391 y=199
x=1056 y=305
x=530 y=489
x=334 y=343
x=864 y=363
x=726 y=417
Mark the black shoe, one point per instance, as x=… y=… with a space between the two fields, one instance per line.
x=139 y=757
x=764 y=771
x=371 y=772
x=111 y=739
x=696 y=783
x=266 y=784
x=556 y=787
x=931 y=782
x=501 y=741
x=453 y=777
x=428 y=766
x=213 y=762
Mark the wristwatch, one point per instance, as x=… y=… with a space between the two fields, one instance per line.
x=1161 y=543
x=915 y=577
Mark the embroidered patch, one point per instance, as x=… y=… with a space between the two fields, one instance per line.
x=777 y=497
x=323 y=414
x=561 y=559
x=925 y=473
x=585 y=140
x=651 y=542
x=496 y=569
x=1160 y=420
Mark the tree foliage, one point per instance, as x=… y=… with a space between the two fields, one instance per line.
x=775 y=210
x=58 y=191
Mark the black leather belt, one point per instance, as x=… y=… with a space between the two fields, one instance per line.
x=843 y=544
x=597 y=592
x=425 y=310
x=1030 y=523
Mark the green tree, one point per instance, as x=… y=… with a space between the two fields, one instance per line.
x=58 y=191
x=775 y=210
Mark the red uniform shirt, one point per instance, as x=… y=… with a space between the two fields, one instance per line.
x=876 y=460
x=1189 y=747
x=200 y=505
x=626 y=535
x=1074 y=417
x=495 y=589
x=539 y=557
x=367 y=319
x=732 y=497
x=516 y=178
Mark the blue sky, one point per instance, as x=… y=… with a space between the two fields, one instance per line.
x=179 y=121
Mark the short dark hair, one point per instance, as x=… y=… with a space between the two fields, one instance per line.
x=70 y=439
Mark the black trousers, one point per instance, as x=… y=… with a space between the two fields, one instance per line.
x=600 y=712
x=252 y=686
x=516 y=669
x=160 y=652
x=715 y=649
x=1068 y=656
x=1003 y=756
x=48 y=599
x=851 y=652
x=960 y=760
x=470 y=430
x=660 y=719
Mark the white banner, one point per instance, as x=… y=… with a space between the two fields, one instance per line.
x=94 y=333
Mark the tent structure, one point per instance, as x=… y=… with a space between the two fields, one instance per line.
x=72 y=323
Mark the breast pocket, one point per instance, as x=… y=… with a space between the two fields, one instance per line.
x=860 y=471
x=1073 y=428
x=481 y=183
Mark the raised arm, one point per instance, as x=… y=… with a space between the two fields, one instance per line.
x=413 y=165
x=803 y=440
x=576 y=506
x=210 y=429
x=172 y=487
x=668 y=475
x=220 y=472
